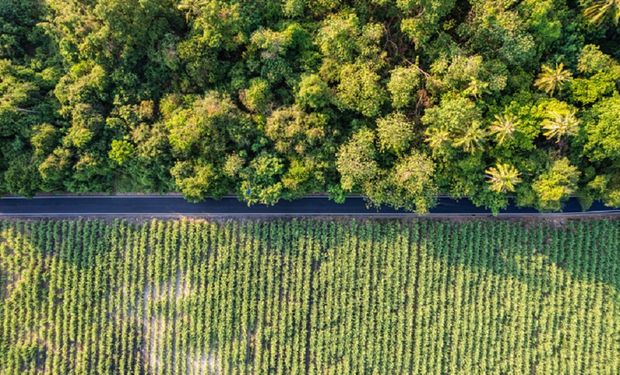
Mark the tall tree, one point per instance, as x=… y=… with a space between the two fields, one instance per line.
x=552 y=79
x=503 y=178
x=601 y=10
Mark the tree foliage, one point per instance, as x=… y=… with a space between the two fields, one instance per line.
x=503 y=178
x=275 y=99
x=555 y=184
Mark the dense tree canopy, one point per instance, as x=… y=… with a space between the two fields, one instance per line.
x=270 y=99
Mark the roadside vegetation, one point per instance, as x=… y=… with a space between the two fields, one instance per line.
x=309 y=296
x=274 y=99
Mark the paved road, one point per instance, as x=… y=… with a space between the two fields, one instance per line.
x=161 y=206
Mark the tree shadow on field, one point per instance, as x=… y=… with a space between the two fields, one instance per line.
x=589 y=250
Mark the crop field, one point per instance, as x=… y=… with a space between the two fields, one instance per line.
x=309 y=296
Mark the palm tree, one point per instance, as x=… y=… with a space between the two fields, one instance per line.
x=471 y=139
x=560 y=124
x=503 y=178
x=437 y=138
x=503 y=127
x=600 y=10
x=551 y=79
x=476 y=88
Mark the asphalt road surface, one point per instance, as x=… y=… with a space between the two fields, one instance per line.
x=166 y=205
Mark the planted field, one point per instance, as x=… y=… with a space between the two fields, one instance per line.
x=319 y=297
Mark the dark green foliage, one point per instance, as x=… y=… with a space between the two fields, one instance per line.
x=271 y=99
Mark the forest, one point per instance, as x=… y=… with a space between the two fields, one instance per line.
x=309 y=297
x=398 y=100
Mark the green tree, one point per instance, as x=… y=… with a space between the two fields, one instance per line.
x=503 y=178
x=607 y=187
x=592 y=60
x=21 y=177
x=603 y=130
x=91 y=172
x=233 y=165
x=86 y=124
x=504 y=127
x=555 y=185
x=360 y=90
x=149 y=169
x=294 y=131
x=602 y=74
x=424 y=21
x=437 y=139
x=303 y=176
x=196 y=180
x=337 y=37
x=402 y=85
x=127 y=40
x=551 y=79
x=601 y=10
x=502 y=33
x=395 y=133
x=25 y=105
x=257 y=96
x=413 y=180
x=560 y=124
x=199 y=126
x=589 y=90
x=454 y=114
x=356 y=160
x=455 y=122
x=343 y=38
x=261 y=180
x=121 y=151
x=44 y=138
x=470 y=75
x=280 y=55
x=55 y=170
x=19 y=30
x=313 y=92
x=471 y=139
